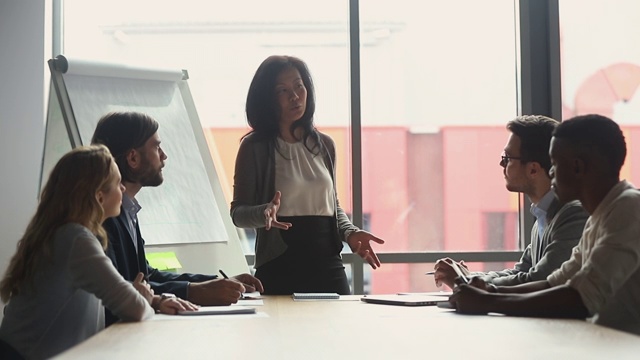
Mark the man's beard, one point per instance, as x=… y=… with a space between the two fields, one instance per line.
x=150 y=176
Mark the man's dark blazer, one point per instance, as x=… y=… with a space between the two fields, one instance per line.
x=129 y=263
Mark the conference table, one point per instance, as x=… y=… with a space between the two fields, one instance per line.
x=349 y=328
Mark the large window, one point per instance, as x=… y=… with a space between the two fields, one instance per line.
x=601 y=66
x=221 y=44
x=438 y=83
x=438 y=86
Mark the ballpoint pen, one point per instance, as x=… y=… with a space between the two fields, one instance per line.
x=459 y=273
x=226 y=277
x=223 y=274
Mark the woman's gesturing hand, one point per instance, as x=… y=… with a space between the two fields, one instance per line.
x=360 y=243
x=271 y=214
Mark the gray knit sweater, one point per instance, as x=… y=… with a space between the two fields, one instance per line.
x=64 y=307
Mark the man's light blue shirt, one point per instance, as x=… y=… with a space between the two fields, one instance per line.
x=540 y=210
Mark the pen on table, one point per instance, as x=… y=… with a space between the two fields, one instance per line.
x=226 y=277
x=430 y=272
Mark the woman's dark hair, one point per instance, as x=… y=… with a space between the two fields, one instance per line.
x=262 y=108
x=121 y=132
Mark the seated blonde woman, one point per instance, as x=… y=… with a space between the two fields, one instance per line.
x=59 y=278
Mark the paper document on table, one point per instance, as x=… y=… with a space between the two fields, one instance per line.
x=219 y=310
x=249 y=302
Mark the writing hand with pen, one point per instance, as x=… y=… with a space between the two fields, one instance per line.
x=246 y=280
x=225 y=291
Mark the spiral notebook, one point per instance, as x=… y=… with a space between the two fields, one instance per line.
x=315 y=296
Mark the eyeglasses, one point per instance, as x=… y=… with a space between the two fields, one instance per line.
x=504 y=160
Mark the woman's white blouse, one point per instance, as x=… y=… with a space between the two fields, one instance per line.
x=304 y=181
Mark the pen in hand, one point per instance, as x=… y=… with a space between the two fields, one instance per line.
x=226 y=277
x=223 y=274
x=461 y=279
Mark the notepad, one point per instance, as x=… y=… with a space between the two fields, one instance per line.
x=218 y=310
x=315 y=296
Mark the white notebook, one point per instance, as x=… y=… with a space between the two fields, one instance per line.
x=316 y=296
x=219 y=310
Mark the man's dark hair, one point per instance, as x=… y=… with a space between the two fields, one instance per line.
x=121 y=132
x=595 y=135
x=535 y=132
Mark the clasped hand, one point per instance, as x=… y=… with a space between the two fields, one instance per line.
x=471 y=298
x=166 y=306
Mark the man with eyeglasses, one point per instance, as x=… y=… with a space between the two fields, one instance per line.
x=558 y=226
x=601 y=279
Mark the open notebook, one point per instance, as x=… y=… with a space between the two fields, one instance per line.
x=405 y=300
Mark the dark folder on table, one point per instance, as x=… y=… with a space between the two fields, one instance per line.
x=404 y=300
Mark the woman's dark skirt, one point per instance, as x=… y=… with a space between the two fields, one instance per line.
x=311 y=263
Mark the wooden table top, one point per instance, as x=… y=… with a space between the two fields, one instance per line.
x=348 y=328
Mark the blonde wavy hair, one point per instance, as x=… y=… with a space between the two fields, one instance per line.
x=68 y=197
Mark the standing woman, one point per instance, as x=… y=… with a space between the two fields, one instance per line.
x=59 y=277
x=284 y=186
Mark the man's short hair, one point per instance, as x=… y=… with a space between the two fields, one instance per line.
x=535 y=132
x=591 y=135
x=121 y=132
